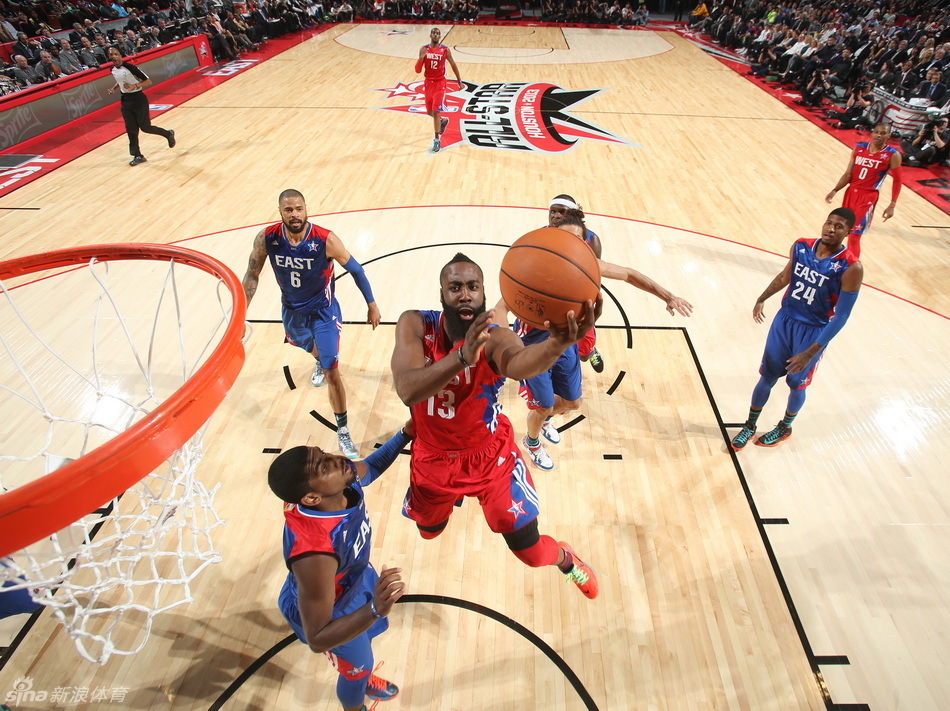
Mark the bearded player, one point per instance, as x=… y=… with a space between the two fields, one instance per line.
x=870 y=162
x=448 y=367
x=433 y=57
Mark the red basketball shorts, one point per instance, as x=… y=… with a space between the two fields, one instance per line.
x=435 y=94
x=493 y=472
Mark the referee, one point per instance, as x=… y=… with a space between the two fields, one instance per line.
x=130 y=80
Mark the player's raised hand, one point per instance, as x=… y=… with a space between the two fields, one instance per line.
x=389 y=588
x=477 y=336
x=575 y=328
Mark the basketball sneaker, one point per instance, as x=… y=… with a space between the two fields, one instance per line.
x=538 y=456
x=436 y=146
x=582 y=575
x=171 y=139
x=442 y=125
x=742 y=439
x=379 y=689
x=550 y=433
x=596 y=361
x=318 y=379
x=776 y=436
x=346 y=443
x=137 y=160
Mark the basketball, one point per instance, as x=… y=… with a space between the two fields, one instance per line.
x=547 y=273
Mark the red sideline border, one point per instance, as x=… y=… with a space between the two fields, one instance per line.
x=931 y=183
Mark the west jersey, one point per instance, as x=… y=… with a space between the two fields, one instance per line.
x=304 y=272
x=343 y=534
x=815 y=283
x=870 y=168
x=465 y=413
x=434 y=61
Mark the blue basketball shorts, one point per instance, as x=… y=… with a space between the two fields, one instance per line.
x=788 y=337
x=321 y=328
x=563 y=379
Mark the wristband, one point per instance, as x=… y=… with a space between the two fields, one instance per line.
x=372 y=608
x=462 y=359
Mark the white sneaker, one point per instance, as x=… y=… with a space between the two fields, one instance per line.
x=318 y=379
x=550 y=433
x=436 y=145
x=538 y=456
x=346 y=444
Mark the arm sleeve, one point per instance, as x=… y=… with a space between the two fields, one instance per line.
x=842 y=312
x=380 y=460
x=359 y=276
x=419 y=65
x=896 y=179
x=136 y=72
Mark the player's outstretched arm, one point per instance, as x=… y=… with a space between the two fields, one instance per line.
x=370 y=469
x=254 y=265
x=674 y=304
x=511 y=358
x=316 y=592
x=336 y=251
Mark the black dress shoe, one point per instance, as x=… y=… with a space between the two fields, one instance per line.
x=171 y=139
x=137 y=160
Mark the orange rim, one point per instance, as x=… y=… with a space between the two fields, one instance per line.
x=56 y=500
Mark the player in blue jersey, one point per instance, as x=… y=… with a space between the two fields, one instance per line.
x=587 y=346
x=558 y=390
x=302 y=255
x=821 y=282
x=332 y=596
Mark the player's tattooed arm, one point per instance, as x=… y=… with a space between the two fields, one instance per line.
x=254 y=265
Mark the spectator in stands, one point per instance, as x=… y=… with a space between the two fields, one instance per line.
x=907 y=79
x=91 y=29
x=76 y=34
x=238 y=29
x=46 y=39
x=100 y=48
x=699 y=15
x=176 y=12
x=119 y=9
x=68 y=59
x=166 y=32
x=22 y=72
x=8 y=32
x=346 y=12
x=46 y=69
x=25 y=46
x=87 y=53
x=932 y=88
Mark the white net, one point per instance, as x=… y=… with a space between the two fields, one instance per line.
x=85 y=355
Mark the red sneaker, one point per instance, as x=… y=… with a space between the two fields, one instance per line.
x=582 y=575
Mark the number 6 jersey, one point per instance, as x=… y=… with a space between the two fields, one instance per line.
x=815 y=283
x=465 y=412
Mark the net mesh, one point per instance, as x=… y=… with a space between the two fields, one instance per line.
x=121 y=338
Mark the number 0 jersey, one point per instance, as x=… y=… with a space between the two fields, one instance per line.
x=869 y=168
x=465 y=412
x=304 y=271
x=815 y=283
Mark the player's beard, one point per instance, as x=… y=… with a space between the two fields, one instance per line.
x=455 y=326
x=291 y=228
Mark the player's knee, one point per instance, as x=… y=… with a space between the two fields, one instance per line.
x=570 y=405
x=430 y=532
x=525 y=543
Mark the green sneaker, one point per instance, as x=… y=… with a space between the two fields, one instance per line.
x=742 y=439
x=773 y=437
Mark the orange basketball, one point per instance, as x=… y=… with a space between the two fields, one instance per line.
x=547 y=273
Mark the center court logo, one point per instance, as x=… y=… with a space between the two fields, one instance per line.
x=517 y=116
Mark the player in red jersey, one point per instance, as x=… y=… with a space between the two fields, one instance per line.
x=448 y=367
x=433 y=57
x=869 y=163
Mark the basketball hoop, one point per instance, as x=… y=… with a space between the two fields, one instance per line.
x=137 y=419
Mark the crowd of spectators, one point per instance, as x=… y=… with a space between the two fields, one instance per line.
x=592 y=12
x=38 y=56
x=841 y=56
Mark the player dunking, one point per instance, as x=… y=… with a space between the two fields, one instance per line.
x=821 y=282
x=432 y=57
x=869 y=163
x=332 y=597
x=587 y=346
x=448 y=368
x=301 y=255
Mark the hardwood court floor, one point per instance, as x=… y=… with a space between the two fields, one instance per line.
x=692 y=614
